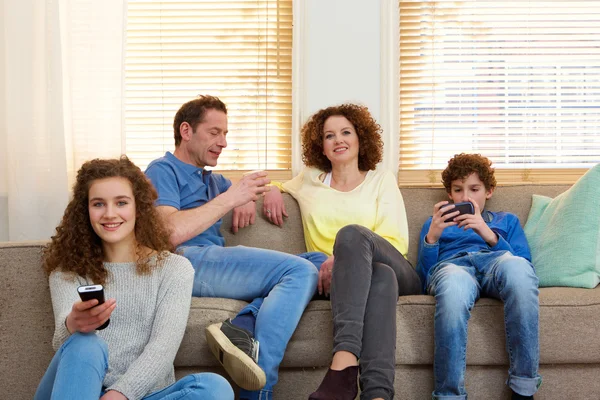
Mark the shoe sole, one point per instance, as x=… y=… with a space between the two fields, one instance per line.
x=241 y=367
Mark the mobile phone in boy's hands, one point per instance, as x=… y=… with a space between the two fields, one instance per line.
x=463 y=208
x=89 y=292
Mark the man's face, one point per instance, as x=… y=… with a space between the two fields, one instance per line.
x=208 y=140
x=470 y=188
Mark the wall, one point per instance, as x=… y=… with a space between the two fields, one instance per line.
x=342 y=58
x=3 y=155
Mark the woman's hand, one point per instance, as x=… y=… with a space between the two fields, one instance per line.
x=273 y=206
x=324 y=282
x=86 y=317
x=438 y=223
x=113 y=395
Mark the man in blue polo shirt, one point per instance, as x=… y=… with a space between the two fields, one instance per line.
x=193 y=200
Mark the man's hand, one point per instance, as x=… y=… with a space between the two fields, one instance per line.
x=476 y=222
x=273 y=206
x=247 y=189
x=324 y=282
x=243 y=216
x=438 y=223
x=113 y=395
x=86 y=317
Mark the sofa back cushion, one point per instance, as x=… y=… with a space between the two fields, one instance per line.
x=289 y=238
x=516 y=199
x=418 y=202
x=564 y=234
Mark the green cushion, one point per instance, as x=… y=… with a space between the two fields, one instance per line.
x=564 y=234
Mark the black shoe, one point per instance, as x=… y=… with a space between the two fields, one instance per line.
x=337 y=385
x=237 y=350
x=517 y=396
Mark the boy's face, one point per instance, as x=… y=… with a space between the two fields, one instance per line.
x=470 y=188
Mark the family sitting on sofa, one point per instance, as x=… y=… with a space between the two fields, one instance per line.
x=119 y=231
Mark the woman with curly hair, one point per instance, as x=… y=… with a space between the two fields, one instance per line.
x=112 y=235
x=353 y=212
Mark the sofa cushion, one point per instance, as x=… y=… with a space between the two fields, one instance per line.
x=564 y=234
x=516 y=199
x=263 y=234
x=568 y=321
x=564 y=313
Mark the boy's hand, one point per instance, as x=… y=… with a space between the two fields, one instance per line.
x=438 y=223
x=476 y=222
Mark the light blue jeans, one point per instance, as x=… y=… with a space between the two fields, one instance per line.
x=278 y=285
x=457 y=283
x=77 y=372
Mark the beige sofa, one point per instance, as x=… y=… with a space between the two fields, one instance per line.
x=569 y=322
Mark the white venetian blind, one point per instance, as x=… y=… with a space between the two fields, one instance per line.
x=238 y=50
x=517 y=81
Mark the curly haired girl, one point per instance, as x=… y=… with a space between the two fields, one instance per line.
x=111 y=235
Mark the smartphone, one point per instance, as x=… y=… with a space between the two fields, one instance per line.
x=463 y=208
x=89 y=292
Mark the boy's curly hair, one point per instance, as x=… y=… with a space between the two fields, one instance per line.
x=462 y=165
x=369 y=137
x=76 y=248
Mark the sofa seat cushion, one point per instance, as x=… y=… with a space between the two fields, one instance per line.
x=569 y=324
x=310 y=345
x=568 y=320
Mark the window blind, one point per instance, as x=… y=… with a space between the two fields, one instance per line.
x=238 y=50
x=517 y=81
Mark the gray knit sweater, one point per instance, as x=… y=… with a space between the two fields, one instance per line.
x=146 y=326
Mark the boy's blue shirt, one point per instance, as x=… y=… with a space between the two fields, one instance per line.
x=186 y=186
x=454 y=240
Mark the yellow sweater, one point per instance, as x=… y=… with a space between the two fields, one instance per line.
x=375 y=204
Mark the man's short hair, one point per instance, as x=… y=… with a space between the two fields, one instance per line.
x=462 y=165
x=193 y=113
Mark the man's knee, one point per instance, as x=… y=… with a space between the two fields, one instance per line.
x=303 y=269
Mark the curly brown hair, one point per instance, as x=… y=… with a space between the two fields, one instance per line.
x=77 y=249
x=368 y=130
x=462 y=165
x=193 y=112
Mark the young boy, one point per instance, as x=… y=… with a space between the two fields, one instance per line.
x=473 y=255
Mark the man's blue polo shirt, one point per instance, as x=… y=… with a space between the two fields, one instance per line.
x=185 y=186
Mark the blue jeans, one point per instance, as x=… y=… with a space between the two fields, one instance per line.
x=278 y=285
x=77 y=372
x=456 y=284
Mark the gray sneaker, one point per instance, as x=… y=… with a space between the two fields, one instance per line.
x=237 y=350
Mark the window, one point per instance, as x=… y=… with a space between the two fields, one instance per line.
x=238 y=50
x=518 y=81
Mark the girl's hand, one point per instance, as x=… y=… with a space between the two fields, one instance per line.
x=113 y=395
x=273 y=206
x=438 y=223
x=85 y=316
